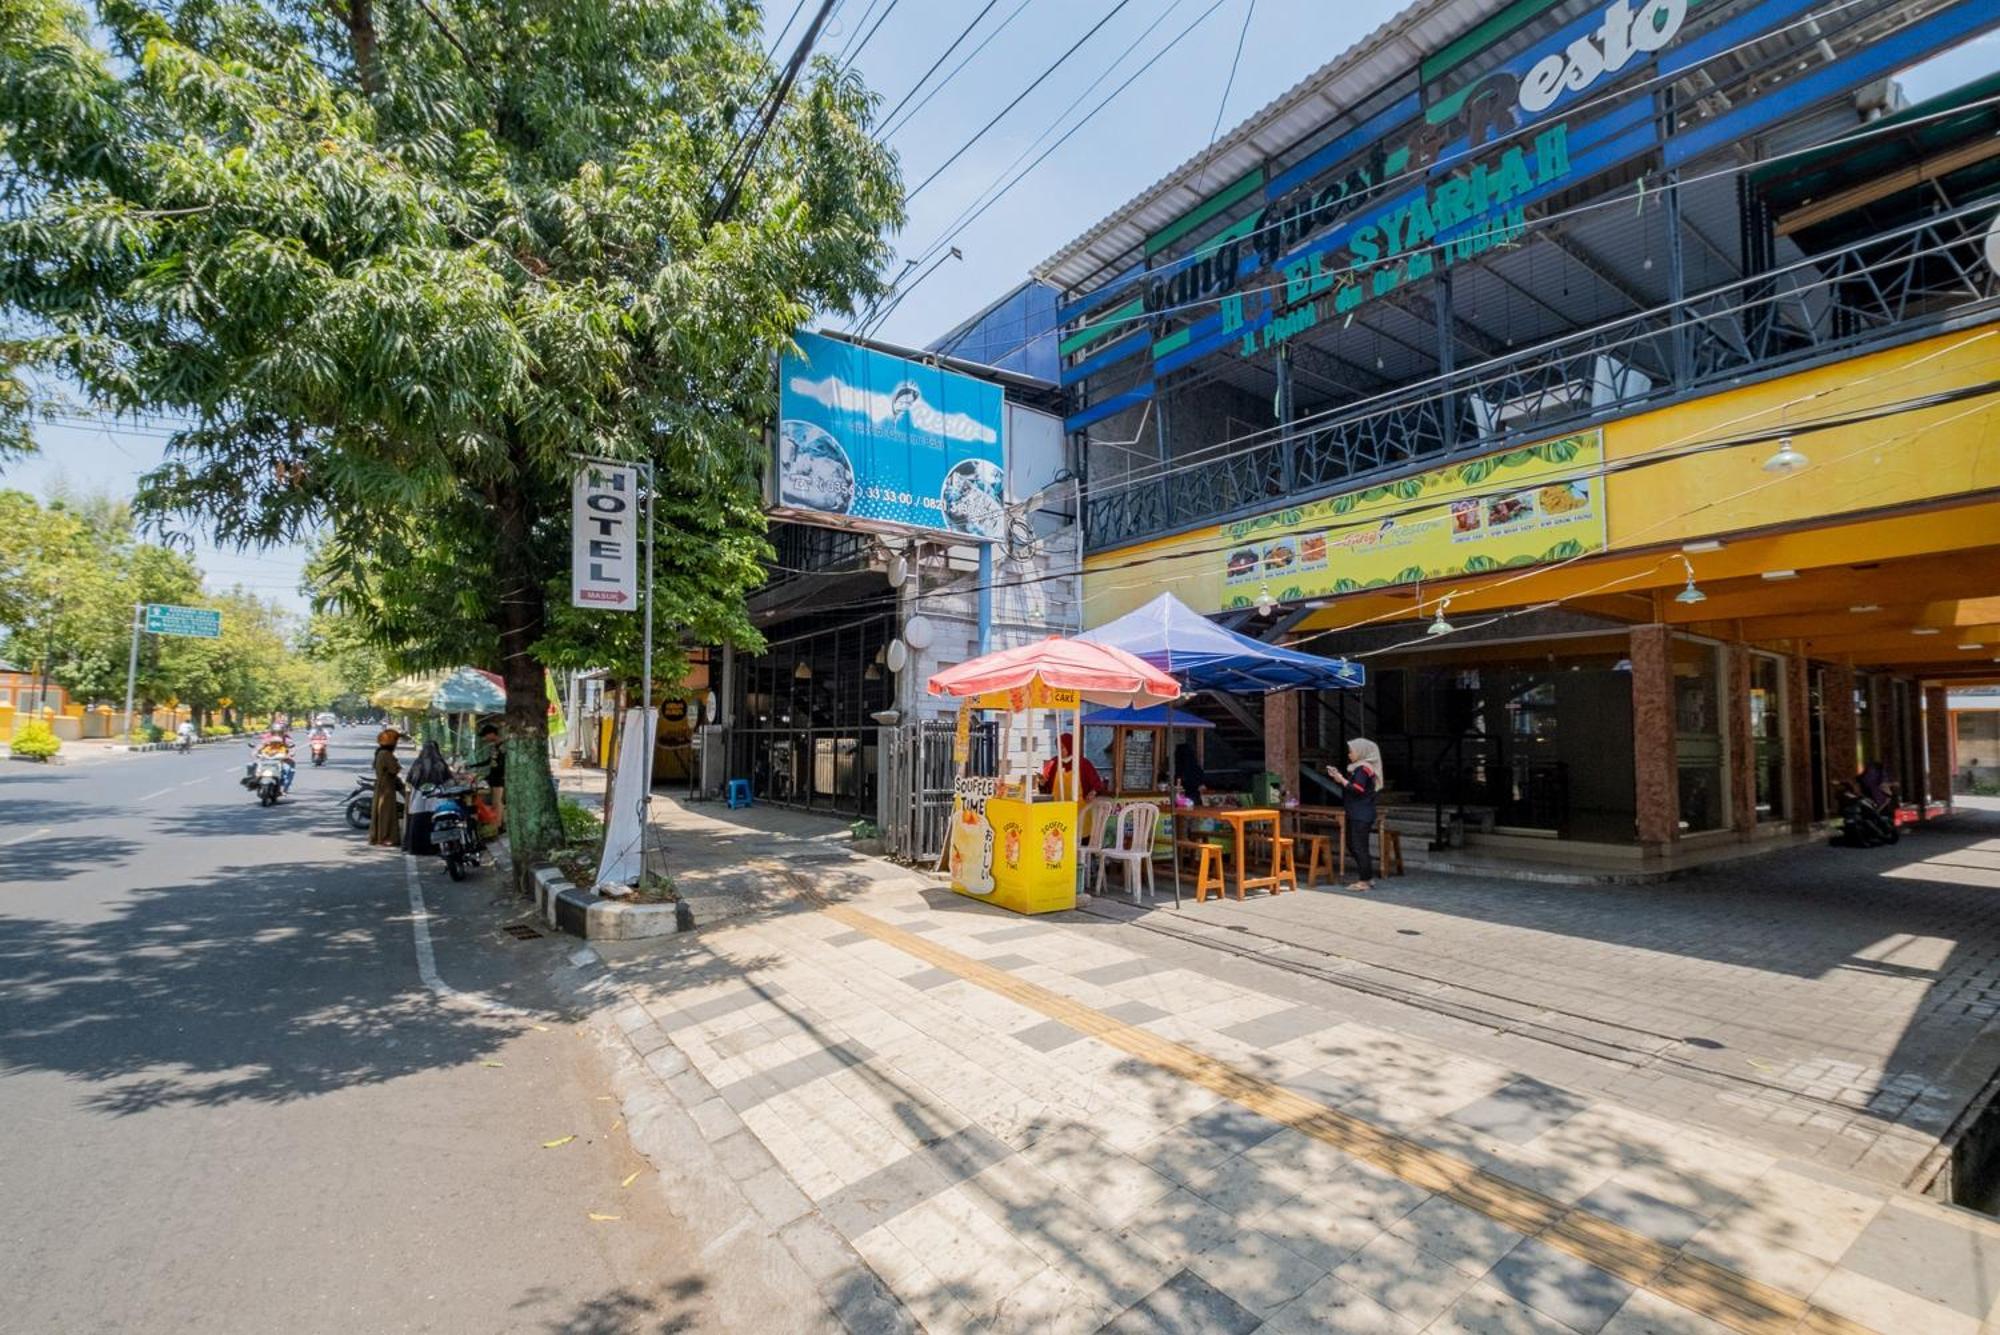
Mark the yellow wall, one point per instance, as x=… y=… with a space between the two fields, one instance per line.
x=1898 y=460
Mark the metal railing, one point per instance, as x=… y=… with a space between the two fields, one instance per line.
x=1811 y=309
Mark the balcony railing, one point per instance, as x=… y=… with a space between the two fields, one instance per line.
x=1835 y=302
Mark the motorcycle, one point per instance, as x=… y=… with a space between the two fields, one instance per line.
x=265 y=776
x=454 y=832
x=319 y=751
x=361 y=803
x=183 y=743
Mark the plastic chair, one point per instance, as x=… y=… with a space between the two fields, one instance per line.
x=1098 y=815
x=1132 y=845
x=737 y=794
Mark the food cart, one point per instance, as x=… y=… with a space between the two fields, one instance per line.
x=1010 y=844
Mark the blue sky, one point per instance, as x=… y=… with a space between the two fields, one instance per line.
x=1159 y=122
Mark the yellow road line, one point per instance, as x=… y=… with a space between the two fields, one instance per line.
x=1714 y=1291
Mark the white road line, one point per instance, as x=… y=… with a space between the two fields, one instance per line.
x=173 y=787
x=23 y=838
x=427 y=968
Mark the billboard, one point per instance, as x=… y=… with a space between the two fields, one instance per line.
x=1530 y=506
x=885 y=440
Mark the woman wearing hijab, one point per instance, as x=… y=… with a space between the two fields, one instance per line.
x=1055 y=776
x=383 y=829
x=1188 y=773
x=1359 y=783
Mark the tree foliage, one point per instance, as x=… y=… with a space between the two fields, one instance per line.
x=401 y=261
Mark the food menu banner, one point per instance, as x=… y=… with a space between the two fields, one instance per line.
x=1529 y=506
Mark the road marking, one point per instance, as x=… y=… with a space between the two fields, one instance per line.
x=22 y=838
x=189 y=783
x=1714 y=1291
x=427 y=965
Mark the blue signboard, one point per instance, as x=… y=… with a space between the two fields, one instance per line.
x=204 y=623
x=885 y=440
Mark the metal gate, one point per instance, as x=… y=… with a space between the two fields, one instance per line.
x=921 y=778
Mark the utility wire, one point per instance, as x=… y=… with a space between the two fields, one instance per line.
x=963 y=148
x=768 y=117
x=964 y=32
x=1249 y=12
x=887 y=10
x=889 y=130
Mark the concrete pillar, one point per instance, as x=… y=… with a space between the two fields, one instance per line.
x=1281 y=738
x=1842 y=729
x=1937 y=744
x=1655 y=772
x=1798 y=742
x=1742 y=758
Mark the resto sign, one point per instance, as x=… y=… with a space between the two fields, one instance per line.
x=604 y=538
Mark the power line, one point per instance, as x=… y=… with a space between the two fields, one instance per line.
x=889 y=130
x=859 y=24
x=889 y=9
x=964 y=32
x=768 y=114
x=961 y=150
x=1249 y=12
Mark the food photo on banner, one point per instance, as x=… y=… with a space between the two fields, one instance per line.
x=888 y=440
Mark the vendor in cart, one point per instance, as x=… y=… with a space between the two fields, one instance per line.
x=1056 y=774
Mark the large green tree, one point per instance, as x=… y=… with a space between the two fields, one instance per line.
x=401 y=261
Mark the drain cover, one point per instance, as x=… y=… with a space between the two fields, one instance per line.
x=520 y=931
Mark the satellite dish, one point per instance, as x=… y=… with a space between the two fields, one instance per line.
x=899 y=570
x=918 y=633
x=1993 y=244
x=899 y=656
x=709 y=712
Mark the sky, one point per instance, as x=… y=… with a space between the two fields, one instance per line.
x=1165 y=117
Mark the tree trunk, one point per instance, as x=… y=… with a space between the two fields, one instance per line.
x=360 y=19
x=533 y=824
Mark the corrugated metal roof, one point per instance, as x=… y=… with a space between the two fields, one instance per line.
x=1390 y=51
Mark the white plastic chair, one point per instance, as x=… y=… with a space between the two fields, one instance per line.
x=1091 y=828
x=1132 y=844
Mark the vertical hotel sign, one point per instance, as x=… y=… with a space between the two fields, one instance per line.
x=604 y=538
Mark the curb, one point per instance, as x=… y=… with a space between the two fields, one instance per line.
x=780 y=1252
x=580 y=913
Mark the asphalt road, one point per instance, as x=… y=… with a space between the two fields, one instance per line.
x=231 y=1101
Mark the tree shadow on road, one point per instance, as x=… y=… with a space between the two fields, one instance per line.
x=259 y=983
x=667 y=1309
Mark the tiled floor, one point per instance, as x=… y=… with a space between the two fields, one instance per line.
x=1068 y=1124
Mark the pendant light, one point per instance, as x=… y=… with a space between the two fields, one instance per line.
x=1787 y=459
x=1440 y=626
x=1266 y=604
x=1690 y=595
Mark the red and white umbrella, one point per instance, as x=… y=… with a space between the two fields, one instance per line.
x=1097 y=673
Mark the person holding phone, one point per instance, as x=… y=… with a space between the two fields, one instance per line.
x=1359 y=783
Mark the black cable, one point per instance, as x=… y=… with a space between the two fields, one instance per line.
x=963 y=148
x=770 y=113
x=859 y=24
x=970 y=56
x=1249 y=12
x=963 y=34
x=887 y=10
x=785 y=31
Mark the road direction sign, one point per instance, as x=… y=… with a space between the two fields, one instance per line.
x=203 y=623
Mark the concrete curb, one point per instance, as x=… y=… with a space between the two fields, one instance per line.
x=787 y=1269
x=580 y=913
x=136 y=747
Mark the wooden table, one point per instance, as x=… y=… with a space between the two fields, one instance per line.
x=1238 y=819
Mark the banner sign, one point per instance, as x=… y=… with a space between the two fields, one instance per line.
x=888 y=441
x=1524 y=507
x=201 y=623
x=604 y=538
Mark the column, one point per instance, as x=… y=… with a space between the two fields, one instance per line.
x=1742 y=761
x=1842 y=727
x=1654 y=768
x=1937 y=745
x=1798 y=742
x=1281 y=738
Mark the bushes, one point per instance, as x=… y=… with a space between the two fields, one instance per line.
x=36 y=740
x=581 y=827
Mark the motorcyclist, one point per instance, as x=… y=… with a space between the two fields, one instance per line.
x=186 y=732
x=275 y=743
x=316 y=740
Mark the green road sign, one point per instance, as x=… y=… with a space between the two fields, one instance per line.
x=201 y=622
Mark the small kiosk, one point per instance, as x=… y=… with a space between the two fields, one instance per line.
x=1011 y=844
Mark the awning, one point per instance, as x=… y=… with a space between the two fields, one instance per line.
x=1178 y=640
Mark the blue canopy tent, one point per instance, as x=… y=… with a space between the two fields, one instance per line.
x=1203 y=656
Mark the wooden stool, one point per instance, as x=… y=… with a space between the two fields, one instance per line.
x=1392 y=852
x=1319 y=856
x=1208 y=873
x=1284 y=868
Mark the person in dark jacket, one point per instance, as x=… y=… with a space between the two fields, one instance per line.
x=1188 y=772
x=1359 y=783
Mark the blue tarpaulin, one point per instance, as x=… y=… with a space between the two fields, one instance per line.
x=1159 y=716
x=1206 y=657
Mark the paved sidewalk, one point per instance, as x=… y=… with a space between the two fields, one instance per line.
x=957 y=1118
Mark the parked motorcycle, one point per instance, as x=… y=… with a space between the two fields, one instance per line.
x=265 y=776
x=454 y=831
x=319 y=751
x=361 y=803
